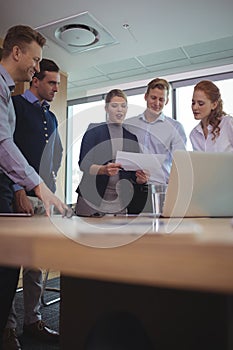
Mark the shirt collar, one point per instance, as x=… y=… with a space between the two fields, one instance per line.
x=8 y=79
x=30 y=97
x=161 y=118
x=199 y=128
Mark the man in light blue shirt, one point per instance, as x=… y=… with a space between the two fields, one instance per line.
x=157 y=133
x=36 y=134
x=21 y=55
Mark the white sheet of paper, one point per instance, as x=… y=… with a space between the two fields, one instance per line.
x=139 y=161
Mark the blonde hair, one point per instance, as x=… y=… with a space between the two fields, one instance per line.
x=20 y=35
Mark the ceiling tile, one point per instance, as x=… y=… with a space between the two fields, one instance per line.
x=168 y=65
x=213 y=56
x=209 y=47
x=70 y=85
x=119 y=66
x=162 y=57
x=87 y=74
x=90 y=81
x=128 y=73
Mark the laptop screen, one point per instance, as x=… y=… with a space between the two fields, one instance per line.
x=200 y=184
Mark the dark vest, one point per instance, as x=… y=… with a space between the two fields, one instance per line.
x=37 y=137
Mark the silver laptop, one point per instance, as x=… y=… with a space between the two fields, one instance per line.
x=200 y=185
x=16 y=214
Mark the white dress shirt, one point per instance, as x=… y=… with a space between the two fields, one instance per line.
x=162 y=136
x=221 y=143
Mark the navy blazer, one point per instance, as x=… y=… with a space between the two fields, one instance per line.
x=96 y=148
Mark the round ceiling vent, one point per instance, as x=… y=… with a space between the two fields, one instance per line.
x=77 y=35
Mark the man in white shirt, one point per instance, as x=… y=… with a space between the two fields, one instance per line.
x=157 y=133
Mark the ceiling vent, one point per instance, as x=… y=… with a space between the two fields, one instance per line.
x=78 y=33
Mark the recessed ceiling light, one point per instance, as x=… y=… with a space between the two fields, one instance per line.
x=77 y=35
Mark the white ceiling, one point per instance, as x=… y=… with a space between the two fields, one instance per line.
x=163 y=38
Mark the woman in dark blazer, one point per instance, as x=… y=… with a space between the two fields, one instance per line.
x=105 y=187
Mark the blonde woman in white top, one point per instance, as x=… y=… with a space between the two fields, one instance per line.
x=214 y=133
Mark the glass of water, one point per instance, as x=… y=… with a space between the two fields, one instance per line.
x=158 y=193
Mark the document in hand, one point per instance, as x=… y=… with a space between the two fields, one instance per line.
x=139 y=161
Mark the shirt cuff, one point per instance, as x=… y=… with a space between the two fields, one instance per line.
x=17 y=187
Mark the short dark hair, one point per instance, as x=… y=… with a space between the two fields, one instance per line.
x=21 y=35
x=46 y=65
x=159 y=83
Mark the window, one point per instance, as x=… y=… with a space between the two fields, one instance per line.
x=79 y=117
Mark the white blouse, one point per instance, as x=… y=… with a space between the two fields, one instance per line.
x=222 y=143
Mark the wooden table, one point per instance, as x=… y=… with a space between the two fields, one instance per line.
x=175 y=275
